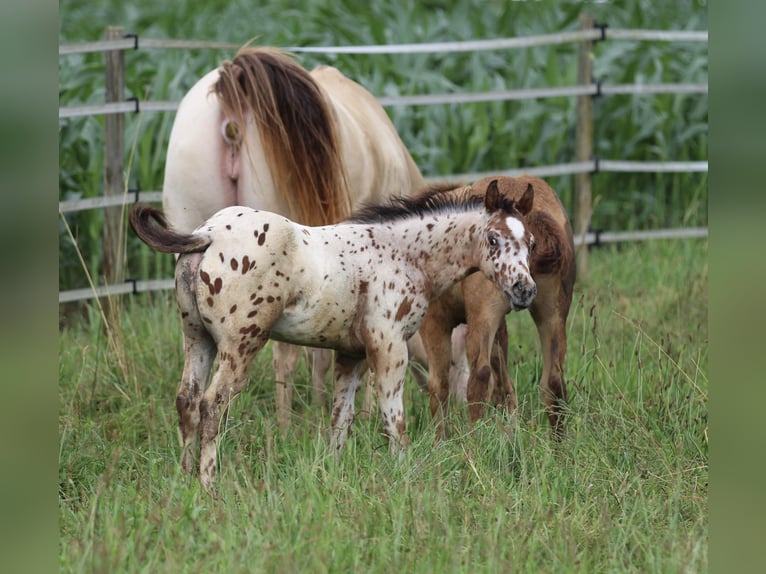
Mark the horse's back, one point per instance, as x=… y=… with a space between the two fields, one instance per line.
x=378 y=163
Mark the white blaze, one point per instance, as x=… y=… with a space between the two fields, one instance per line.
x=516 y=227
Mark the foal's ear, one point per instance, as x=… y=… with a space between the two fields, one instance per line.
x=492 y=197
x=524 y=205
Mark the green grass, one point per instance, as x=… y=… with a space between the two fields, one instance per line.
x=626 y=490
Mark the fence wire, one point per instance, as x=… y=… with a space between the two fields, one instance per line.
x=591 y=166
x=135 y=105
x=134 y=42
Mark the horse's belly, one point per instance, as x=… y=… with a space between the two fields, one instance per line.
x=316 y=330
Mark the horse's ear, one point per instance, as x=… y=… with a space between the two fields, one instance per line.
x=492 y=197
x=524 y=205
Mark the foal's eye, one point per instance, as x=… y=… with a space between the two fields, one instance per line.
x=492 y=241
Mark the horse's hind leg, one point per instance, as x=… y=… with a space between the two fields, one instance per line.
x=347 y=378
x=230 y=378
x=285 y=358
x=549 y=311
x=199 y=353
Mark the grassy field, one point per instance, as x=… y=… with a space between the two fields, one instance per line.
x=626 y=490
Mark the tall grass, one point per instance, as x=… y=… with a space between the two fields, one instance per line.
x=443 y=139
x=626 y=490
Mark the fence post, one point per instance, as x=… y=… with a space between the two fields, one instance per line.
x=114 y=159
x=583 y=147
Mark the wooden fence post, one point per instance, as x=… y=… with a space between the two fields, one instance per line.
x=583 y=147
x=114 y=160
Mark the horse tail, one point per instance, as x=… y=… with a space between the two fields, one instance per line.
x=300 y=139
x=152 y=228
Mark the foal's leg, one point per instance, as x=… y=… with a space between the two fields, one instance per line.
x=435 y=333
x=368 y=401
x=549 y=311
x=199 y=352
x=484 y=317
x=459 y=369
x=320 y=361
x=348 y=372
x=388 y=369
x=285 y=358
x=230 y=378
x=416 y=351
x=417 y=364
x=505 y=394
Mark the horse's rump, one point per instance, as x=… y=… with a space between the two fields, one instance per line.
x=300 y=139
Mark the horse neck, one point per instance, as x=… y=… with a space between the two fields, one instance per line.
x=444 y=247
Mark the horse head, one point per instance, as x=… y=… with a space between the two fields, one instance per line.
x=506 y=245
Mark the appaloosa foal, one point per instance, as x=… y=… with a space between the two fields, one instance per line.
x=360 y=288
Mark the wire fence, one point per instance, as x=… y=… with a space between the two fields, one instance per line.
x=595 y=89
x=598 y=32
x=593 y=166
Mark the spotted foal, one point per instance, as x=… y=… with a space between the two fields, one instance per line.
x=360 y=287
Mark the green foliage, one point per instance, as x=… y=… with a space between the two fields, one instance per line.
x=626 y=490
x=443 y=139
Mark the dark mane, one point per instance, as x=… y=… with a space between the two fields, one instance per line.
x=434 y=199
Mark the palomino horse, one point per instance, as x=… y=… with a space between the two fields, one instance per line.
x=476 y=302
x=361 y=288
x=263 y=132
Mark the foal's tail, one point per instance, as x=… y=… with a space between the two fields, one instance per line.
x=298 y=131
x=152 y=228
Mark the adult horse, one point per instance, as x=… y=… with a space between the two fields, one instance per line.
x=261 y=131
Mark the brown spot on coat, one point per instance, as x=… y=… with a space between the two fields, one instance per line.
x=404 y=308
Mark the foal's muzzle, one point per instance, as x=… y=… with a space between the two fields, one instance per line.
x=521 y=295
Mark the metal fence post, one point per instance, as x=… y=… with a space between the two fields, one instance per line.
x=114 y=160
x=583 y=147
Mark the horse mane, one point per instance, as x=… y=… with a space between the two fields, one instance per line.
x=435 y=198
x=298 y=130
